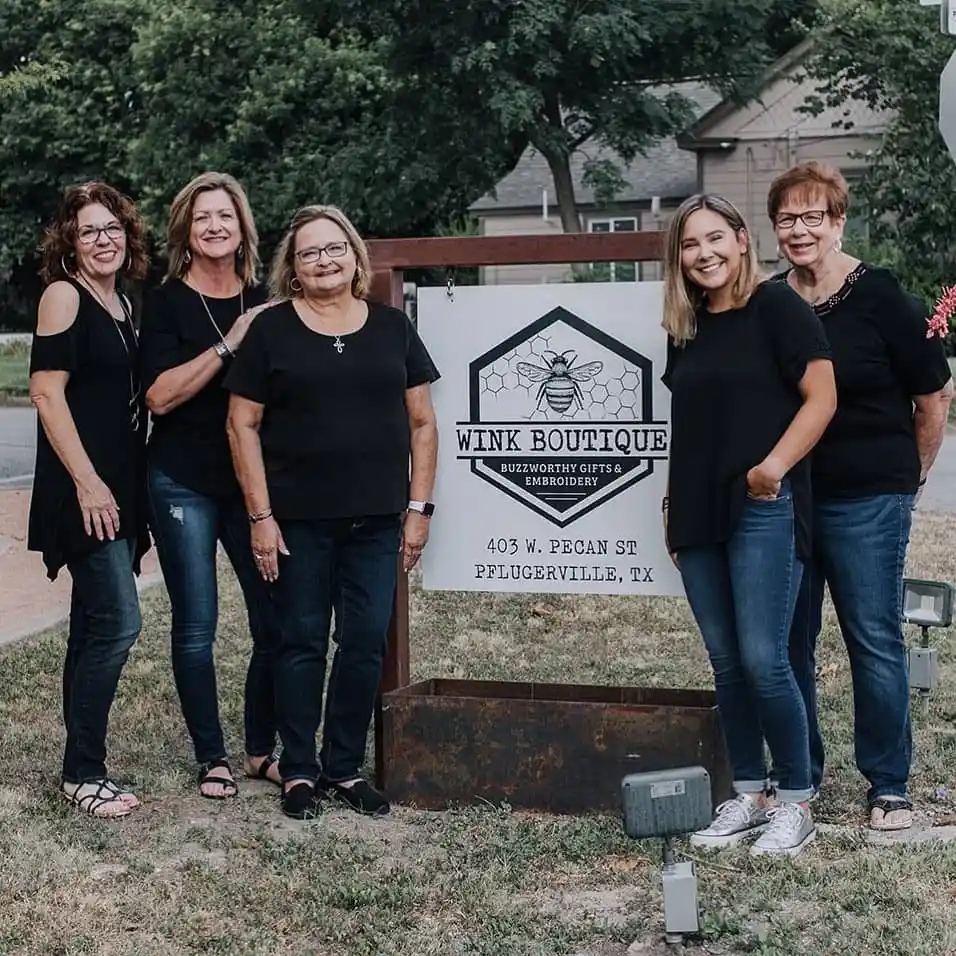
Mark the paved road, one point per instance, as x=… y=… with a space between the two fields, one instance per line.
x=17 y=446
x=940 y=491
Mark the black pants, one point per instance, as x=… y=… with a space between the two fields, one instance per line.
x=353 y=562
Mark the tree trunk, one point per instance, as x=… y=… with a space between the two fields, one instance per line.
x=560 y=166
x=552 y=145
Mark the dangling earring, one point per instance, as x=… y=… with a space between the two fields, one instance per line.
x=63 y=266
x=127 y=263
x=240 y=252
x=187 y=257
x=778 y=250
x=838 y=245
x=295 y=285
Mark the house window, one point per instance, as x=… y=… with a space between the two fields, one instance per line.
x=614 y=271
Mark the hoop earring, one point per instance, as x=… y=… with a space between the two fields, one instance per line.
x=838 y=245
x=63 y=266
x=295 y=285
x=187 y=257
x=127 y=263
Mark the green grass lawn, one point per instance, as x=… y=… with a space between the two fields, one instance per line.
x=185 y=875
x=14 y=370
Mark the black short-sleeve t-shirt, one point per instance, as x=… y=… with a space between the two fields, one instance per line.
x=335 y=433
x=734 y=392
x=189 y=444
x=881 y=359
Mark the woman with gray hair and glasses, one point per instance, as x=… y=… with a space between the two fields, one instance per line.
x=335 y=445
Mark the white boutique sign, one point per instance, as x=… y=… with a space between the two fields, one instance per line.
x=554 y=439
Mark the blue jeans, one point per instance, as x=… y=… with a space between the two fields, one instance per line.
x=859 y=550
x=104 y=623
x=353 y=564
x=187 y=526
x=742 y=594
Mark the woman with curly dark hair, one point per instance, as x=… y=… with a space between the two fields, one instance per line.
x=87 y=512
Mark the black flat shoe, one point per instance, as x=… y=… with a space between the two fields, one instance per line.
x=301 y=802
x=362 y=797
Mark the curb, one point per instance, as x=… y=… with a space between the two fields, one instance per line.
x=54 y=618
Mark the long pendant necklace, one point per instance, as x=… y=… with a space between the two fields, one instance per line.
x=133 y=388
x=205 y=305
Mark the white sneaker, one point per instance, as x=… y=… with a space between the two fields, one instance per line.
x=791 y=829
x=736 y=820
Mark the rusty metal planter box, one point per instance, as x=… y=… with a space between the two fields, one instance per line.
x=559 y=748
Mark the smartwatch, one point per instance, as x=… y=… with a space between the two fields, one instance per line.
x=425 y=508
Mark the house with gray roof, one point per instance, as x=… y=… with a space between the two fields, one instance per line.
x=523 y=203
x=732 y=149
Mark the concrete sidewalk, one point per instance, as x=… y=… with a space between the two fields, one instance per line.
x=29 y=602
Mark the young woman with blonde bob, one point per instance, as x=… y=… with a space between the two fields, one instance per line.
x=752 y=391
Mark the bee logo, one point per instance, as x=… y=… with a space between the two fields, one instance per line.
x=559 y=381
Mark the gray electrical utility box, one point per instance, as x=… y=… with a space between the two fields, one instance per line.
x=924 y=668
x=666 y=803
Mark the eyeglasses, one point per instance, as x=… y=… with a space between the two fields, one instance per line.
x=811 y=218
x=87 y=235
x=334 y=250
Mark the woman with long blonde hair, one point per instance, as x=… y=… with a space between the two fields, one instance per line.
x=195 y=323
x=752 y=391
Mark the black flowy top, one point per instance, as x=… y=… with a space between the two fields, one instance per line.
x=101 y=357
x=734 y=392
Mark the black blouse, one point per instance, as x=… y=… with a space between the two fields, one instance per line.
x=105 y=399
x=882 y=357
x=734 y=392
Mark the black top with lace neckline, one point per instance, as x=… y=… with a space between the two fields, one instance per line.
x=832 y=301
x=882 y=358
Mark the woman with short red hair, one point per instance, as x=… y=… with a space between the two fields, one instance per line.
x=893 y=393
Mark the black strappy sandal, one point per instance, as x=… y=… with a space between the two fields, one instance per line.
x=205 y=776
x=91 y=797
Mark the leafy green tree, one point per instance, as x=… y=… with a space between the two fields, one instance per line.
x=559 y=74
x=889 y=55
x=67 y=116
x=300 y=110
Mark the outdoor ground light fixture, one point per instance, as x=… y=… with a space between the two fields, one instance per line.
x=926 y=604
x=669 y=803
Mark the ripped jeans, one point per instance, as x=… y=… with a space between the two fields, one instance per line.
x=187 y=526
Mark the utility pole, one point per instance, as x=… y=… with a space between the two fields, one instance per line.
x=947 y=79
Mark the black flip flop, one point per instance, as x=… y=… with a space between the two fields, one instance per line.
x=206 y=776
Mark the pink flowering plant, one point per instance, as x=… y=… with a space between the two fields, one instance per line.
x=938 y=322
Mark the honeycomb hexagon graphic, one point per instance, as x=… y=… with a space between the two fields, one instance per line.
x=563 y=371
